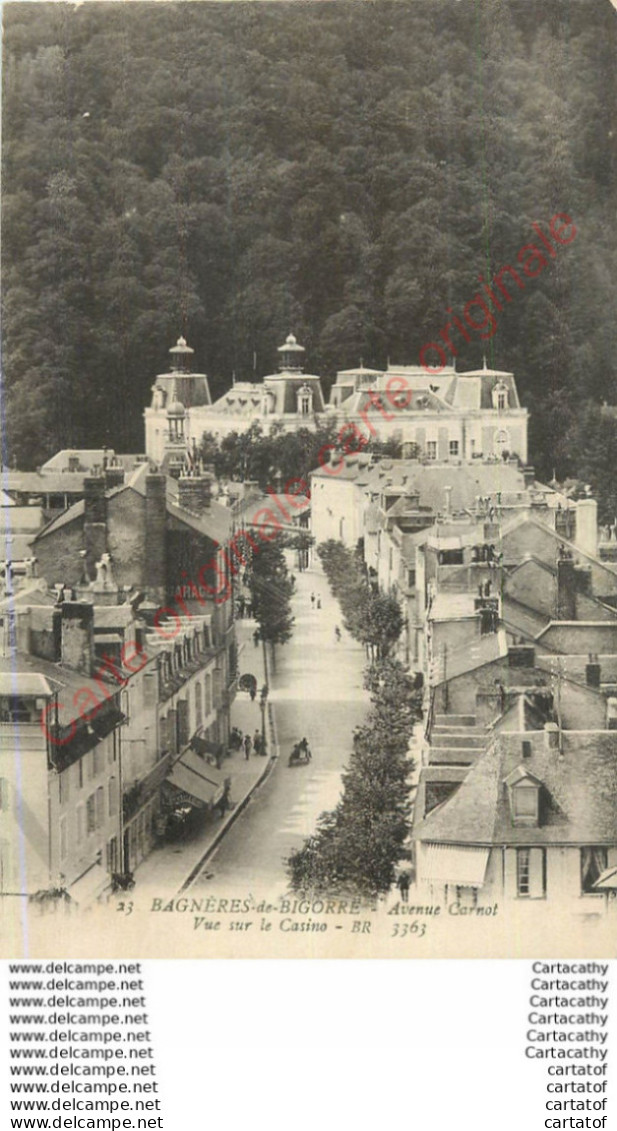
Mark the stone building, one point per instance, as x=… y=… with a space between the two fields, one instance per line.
x=181 y=410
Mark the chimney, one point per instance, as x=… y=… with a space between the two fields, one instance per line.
x=551 y=736
x=155 y=555
x=529 y=476
x=77 y=640
x=95 y=521
x=586 y=537
x=114 y=474
x=593 y=673
x=195 y=492
x=566 y=589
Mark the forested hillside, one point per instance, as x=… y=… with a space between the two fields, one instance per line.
x=345 y=170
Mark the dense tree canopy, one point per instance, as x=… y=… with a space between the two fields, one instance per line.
x=234 y=171
x=358 y=845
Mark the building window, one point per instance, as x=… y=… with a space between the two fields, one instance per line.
x=431 y=449
x=531 y=873
x=90 y=815
x=525 y=801
x=450 y=557
x=112 y=855
x=501 y=441
x=522 y=871
x=198 y=712
x=411 y=578
x=501 y=400
x=453 y=447
x=112 y=790
x=81 y=823
x=594 y=861
x=100 y=807
x=63 y=787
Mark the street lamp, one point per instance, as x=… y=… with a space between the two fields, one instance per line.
x=263 y=699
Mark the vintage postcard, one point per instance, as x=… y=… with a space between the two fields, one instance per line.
x=308 y=624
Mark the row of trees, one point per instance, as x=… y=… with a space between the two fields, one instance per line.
x=373 y=618
x=279 y=455
x=357 y=845
x=271 y=589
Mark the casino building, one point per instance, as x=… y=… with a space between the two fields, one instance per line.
x=446 y=415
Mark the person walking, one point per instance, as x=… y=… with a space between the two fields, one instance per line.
x=403 y=886
x=319 y=602
x=312 y=600
x=257 y=742
x=247 y=746
x=337 y=633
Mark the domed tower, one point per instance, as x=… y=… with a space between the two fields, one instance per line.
x=180 y=398
x=181 y=357
x=291 y=356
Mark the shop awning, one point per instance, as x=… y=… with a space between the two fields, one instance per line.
x=457 y=864
x=204 y=746
x=607 y=881
x=192 y=775
x=90 y=886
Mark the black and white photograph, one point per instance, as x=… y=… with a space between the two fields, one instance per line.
x=308 y=585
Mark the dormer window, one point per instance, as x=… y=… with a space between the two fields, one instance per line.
x=524 y=796
x=305 y=401
x=500 y=396
x=267 y=403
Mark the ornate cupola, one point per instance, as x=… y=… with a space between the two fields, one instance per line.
x=291 y=356
x=176 y=414
x=181 y=357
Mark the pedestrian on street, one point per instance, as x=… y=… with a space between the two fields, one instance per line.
x=319 y=602
x=257 y=742
x=337 y=633
x=247 y=746
x=312 y=600
x=256 y=638
x=403 y=886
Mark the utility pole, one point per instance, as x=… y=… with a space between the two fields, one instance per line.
x=262 y=705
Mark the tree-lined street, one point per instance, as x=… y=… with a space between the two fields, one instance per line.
x=316 y=693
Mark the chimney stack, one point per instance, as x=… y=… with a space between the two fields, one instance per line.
x=566 y=589
x=551 y=736
x=195 y=492
x=114 y=474
x=156 y=537
x=586 y=537
x=77 y=639
x=529 y=476
x=95 y=521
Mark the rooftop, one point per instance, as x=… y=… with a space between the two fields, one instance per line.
x=579 y=794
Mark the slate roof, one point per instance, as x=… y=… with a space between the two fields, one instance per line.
x=191 y=389
x=245 y=398
x=578 y=801
x=62 y=680
x=49 y=483
x=480 y=651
